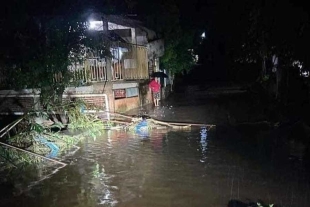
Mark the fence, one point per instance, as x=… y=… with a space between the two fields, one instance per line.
x=129 y=62
x=117 y=66
x=92 y=70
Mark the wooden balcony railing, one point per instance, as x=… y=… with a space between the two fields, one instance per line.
x=91 y=70
x=129 y=62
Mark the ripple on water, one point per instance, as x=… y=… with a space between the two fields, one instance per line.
x=175 y=168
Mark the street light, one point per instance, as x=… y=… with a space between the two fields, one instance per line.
x=95 y=25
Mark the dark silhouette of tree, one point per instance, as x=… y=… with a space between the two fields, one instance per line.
x=170 y=21
x=276 y=30
x=39 y=44
x=251 y=34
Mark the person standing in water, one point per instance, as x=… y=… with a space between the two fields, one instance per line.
x=155 y=89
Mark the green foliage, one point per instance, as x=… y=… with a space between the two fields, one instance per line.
x=265 y=78
x=15 y=159
x=178 y=56
x=165 y=17
x=81 y=125
x=38 y=48
x=79 y=120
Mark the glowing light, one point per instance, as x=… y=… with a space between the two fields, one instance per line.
x=95 y=25
x=203 y=35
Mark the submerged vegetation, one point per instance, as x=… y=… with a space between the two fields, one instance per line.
x=48 y=134
x=36 y=133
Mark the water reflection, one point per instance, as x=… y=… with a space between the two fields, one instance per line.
x=203 y=143
x=121 y=169
x=102 y=187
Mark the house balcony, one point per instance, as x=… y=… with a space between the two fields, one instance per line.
x=128 y=62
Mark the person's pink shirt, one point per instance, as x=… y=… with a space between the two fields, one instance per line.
x=155 y=87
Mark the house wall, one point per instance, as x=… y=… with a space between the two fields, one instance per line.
x=18 y=102
x=123 y=105
x=93 y=96
x=10 y=105
x=92 y=101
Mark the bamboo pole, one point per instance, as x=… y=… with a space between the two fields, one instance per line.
x=121 y=115
x=4 y=128
x=161 y=122
x=33 y=153
x=12 y=125
x=113 y=113
x=170 y=125
x=119 y=122
x=9 y=125
x=44 y=178
x=191 y=124
x=167 y=123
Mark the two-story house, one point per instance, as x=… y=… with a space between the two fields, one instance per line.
x=120 y=79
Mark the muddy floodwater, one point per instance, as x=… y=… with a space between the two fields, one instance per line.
x=175 y=168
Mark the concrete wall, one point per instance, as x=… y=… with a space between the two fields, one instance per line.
x=22 y=101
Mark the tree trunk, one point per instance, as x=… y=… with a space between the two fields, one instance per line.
x=61 y=113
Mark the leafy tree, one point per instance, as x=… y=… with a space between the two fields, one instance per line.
x=39 y=48
x=39 y=45
x=168 y=20
x=178 y=55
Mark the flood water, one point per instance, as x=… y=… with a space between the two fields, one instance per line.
x=174 y=168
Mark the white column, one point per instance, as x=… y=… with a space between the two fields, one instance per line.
x=165 y=79
x=156 y=69
x=133 y=36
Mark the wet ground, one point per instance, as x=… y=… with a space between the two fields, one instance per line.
x=178 y=168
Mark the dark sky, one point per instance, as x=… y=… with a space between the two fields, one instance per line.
x=197 y=13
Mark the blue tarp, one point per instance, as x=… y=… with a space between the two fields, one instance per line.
x=142 y=129
x=54 y=148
